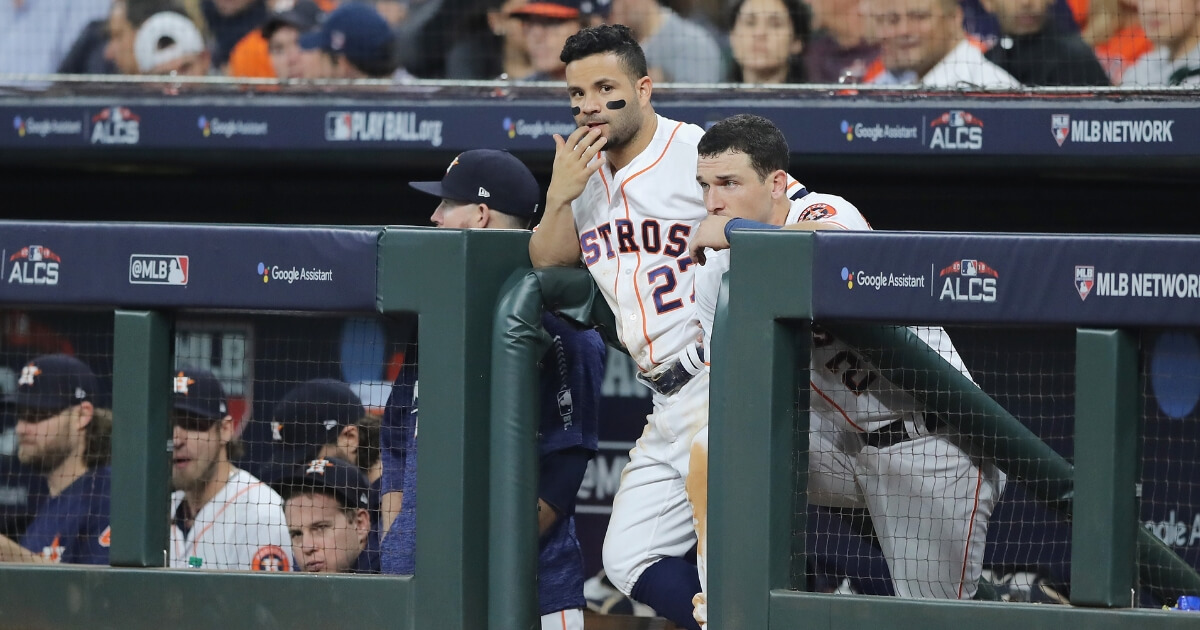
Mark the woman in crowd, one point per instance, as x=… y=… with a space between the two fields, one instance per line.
x=768 y=38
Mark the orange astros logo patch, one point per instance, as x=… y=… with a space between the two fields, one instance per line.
x=817 y=211
x=106 y=537
x=270 y=558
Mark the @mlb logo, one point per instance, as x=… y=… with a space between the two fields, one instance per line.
x=1085 y=279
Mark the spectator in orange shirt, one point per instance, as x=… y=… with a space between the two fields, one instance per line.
x=1112 y=28
x=254 y=57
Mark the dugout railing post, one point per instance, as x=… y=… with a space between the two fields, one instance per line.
x=756 y=403
x=141 y=440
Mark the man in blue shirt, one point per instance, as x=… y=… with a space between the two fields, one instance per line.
x=66 y=437
x=493 y=189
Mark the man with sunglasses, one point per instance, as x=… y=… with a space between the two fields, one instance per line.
x=65 y=437
x=222 y=517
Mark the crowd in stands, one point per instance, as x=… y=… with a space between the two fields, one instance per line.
x=934 y=43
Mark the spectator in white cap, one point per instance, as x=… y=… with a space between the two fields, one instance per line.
x=169 y=43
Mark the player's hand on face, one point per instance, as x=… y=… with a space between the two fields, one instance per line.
x=710 y=233
x=575 y=159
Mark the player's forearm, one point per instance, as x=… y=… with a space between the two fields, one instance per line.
x=555 y=243
x=10 y=551
x=389 y=509
x=547 y=517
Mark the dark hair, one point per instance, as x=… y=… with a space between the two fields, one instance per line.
x=98 y=449
x=801 y=17
x=755 y=136
x=138 y=11
x=368 y=441
x=607 y=38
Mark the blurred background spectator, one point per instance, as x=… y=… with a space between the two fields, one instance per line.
x=282 y=34
x=488 y=44
x=251 y=56
x=229 y=21
x=923 y=43
x=768 y=39
x=1033 y=49
x=1112 y=28
x=36 y=35
x=545 y=27
x=839 y=50
x=677 y=50
x=354 y=42
x=1174 y=27
x=169 y=43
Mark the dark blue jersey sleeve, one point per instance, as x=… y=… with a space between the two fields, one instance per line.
x=572 y=372
x=399 y=419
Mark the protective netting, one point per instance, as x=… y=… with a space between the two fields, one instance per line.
x=899 y=501
x=1170 y=471
x=938 y=44
x=56 y=378
x=296 y=403
x=275 y=461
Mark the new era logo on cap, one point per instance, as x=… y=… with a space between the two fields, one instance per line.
x=483 y=192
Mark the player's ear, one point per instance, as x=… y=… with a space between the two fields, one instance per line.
x=86 y=412
x=348 y=437
x=779 y=182
x=226 y=429
x=482 y=217
x=643 y=87
x=362 y=525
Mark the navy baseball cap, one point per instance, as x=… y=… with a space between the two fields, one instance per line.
x=198 y=392
x=54 y=382
x=496 y=178
x=303 y=16
x=314 y=413
x=353 y=30
x=331 y=476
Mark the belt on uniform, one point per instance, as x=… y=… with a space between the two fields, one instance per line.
x=672 y=379
x=895 y=433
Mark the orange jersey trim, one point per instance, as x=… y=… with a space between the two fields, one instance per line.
x=970 y=530
x=625 y=199
x=829 y=400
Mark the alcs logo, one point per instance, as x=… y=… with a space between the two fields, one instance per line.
x=969 y=280
x=34 y=265
x=957 y=130
x=115 y=125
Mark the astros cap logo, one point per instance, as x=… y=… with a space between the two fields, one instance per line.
x=181 y=383
x=28 y=373
x=454 y=163
x=317 y=466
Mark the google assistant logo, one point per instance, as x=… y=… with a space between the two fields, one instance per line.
x=847 y=277
x=264 y=271
x=848 y=129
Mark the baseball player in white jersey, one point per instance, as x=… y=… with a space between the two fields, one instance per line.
x=222 y=517
x=870 y=443
x=628 y=213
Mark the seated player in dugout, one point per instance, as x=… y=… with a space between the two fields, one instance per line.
x=328 y=514
x=492 y=189
x=871 y=444
x=65 y=437
x=222 y=517
x=324 y=418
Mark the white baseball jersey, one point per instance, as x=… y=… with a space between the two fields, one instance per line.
x=929 y=502
x=634 y=226
x=241 y=528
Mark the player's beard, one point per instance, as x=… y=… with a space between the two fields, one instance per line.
x=47 y=456
x=623 y=125
x=180 y=481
